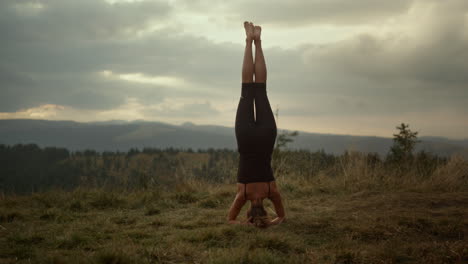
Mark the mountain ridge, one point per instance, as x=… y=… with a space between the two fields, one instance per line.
x=122 y=135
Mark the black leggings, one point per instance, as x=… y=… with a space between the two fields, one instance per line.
x=255 y=135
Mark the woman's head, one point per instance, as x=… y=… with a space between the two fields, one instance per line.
x=258 y=215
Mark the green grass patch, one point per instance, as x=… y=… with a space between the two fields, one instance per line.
x=98 y=226
x=185 y=197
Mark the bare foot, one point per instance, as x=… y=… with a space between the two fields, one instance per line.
x=257 y=33
x=249 y=30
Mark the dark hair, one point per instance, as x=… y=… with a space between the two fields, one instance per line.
x=258 y=215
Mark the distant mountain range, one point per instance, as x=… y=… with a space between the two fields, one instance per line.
x=123 y=135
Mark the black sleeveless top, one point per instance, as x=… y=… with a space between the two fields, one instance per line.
x=255 y=167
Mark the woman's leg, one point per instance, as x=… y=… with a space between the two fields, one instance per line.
x=245 y=109
x=264 y=120
x=245 y=119
x=260 y=65
x=264 y=114
x=248 y=65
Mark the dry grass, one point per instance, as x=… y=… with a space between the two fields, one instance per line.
x=354 y=213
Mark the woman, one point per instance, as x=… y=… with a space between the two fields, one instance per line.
x=255 y=140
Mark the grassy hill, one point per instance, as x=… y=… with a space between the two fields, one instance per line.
x=353 y=212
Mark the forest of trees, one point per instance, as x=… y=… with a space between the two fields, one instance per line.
x=29 y=168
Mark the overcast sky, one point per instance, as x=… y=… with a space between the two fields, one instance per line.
x=334 y=66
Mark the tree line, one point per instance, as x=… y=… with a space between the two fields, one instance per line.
x=28 y=168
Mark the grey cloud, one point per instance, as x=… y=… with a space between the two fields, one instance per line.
x=58 y=63
x=186 y=111
x=13 y=87
x=395 y=73
x=437 y=54
x=79 y=91
x=341 y=12
x=300 y=13
x=199 y=109
x=78 y=20
x=14 y=78
x=427 y=60
x=54 y=56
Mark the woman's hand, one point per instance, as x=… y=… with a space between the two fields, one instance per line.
x=237 y=222
x=248 y=222
x=277 y=221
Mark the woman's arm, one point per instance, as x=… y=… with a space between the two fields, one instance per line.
x=236 y=206
x=276 y=199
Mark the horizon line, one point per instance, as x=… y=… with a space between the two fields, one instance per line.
x=195 y=124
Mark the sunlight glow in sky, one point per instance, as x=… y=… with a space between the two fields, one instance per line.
x=142 y=78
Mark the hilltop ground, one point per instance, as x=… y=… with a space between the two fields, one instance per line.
x=187 y=225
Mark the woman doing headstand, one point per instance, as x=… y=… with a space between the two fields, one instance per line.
x=256 y=135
